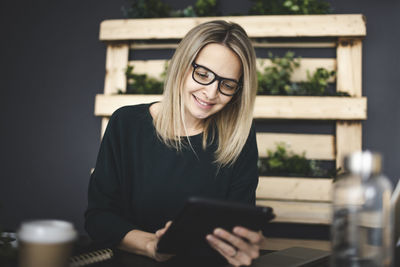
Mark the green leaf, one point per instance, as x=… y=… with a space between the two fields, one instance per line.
x=286 y=7
x=282 y=161
x=275 y=79
x=142 y=84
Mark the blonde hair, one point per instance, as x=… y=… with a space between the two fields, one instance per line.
x=234 y=121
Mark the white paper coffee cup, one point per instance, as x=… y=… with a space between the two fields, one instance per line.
x=45 y=243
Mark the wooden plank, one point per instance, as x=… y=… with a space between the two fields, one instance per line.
x=294 y=189
x=349 y=77
x=299 y=212
x=349 y=66
x=310 y=107
x=143 y=46
x=348 y=139
x=149 y=46
x=273 y=243
x=104 y=122
x=294 y=45
x=255 y=26
x=154 y=68
x=116 y=63
x=315 y=146
x=266 y=107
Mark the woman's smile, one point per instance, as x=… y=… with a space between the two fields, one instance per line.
x=203 y=104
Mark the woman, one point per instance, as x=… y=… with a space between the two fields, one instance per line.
x=198 y=140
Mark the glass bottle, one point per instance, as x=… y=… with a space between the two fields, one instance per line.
x=361 y=231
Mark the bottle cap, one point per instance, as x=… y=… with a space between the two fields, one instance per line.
x=364 y=163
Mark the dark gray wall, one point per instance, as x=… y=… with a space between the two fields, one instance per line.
x=52 y=65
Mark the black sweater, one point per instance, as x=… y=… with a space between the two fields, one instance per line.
x=140 y=183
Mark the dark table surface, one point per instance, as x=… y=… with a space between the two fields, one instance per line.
x=126 y=259
x=122 y=259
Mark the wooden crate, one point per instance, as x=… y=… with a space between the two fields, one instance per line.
x=295 y=200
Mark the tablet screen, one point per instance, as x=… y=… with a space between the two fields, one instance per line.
x=201 y=216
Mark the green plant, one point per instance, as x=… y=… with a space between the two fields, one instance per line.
x=205 y=8
x=285 y=162
x=275 y=80
x=286 y=7
x=141 y=83
x=147 y=9
x=158 y=9
x=307 y=6
x=186 y=12
x=317 y=83
x=267 y=7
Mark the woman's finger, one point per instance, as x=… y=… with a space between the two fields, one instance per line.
x=228 y=250
x=243 y=258
x=251 y=236
x=229 y=256
x=236 y=241
x=247 y=250
x=254 y=240
x=162 y=231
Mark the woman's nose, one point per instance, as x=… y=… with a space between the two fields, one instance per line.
x=211 y=90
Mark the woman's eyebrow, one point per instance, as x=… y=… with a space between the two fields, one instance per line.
x=216 y=73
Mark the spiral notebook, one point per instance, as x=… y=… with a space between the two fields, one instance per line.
x=86 y=252
x=91 y=257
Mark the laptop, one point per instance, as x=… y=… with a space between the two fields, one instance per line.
x=294 y=257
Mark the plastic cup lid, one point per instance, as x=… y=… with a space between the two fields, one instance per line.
x=47 y=231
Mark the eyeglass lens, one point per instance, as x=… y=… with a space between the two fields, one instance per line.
x=206 y=77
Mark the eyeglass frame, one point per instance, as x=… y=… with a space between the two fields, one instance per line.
x=218 y=78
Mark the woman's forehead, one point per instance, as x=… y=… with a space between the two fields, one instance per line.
x=220 y=59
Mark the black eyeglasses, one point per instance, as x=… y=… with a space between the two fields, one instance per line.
x=205 y=76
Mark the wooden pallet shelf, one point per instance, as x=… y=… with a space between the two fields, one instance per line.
x=295 y=199
x=294 y=188
x=257 y=44
x=266 y=107
x=318 y=146
x=299 y=211
x=277 y=26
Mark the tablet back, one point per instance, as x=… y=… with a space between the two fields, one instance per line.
x=201 y=216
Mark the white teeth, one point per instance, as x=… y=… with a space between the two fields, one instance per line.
x=201 y=102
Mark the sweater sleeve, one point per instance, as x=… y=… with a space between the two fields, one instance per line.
x=245 y=172
x=104 y=218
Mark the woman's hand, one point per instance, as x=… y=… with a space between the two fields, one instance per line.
x=152 y=245
x=239 y=247
x=144 y=243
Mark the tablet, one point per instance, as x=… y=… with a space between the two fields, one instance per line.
x=201 y=216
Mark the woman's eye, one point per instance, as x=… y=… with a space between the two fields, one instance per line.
x=202 y=74
x=228 y=85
